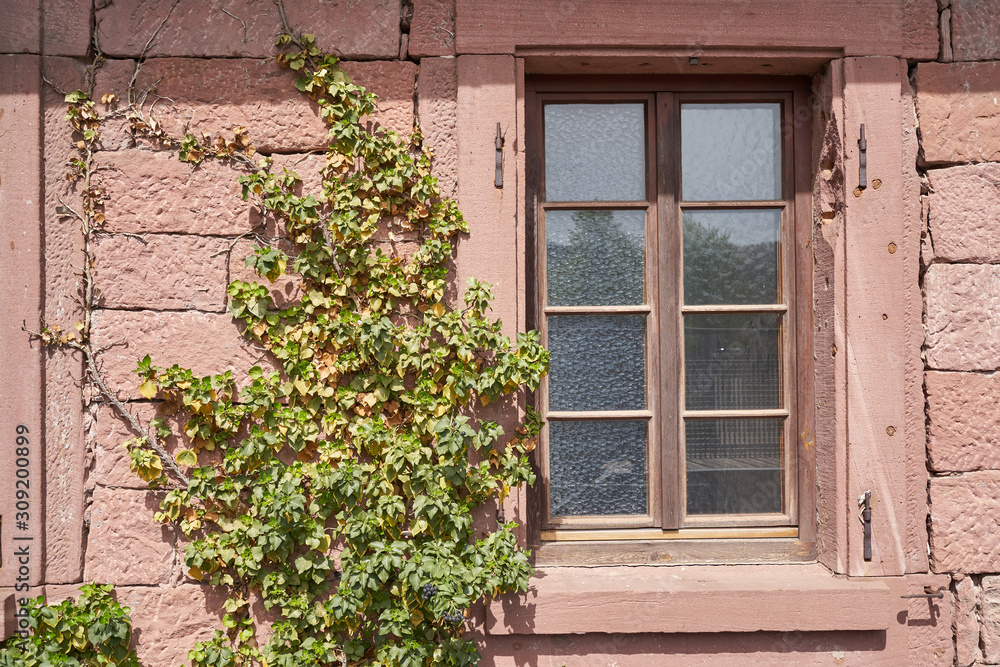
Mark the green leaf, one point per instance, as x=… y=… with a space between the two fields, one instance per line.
x=186 y=457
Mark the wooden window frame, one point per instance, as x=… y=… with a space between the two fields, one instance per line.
x=663 y=535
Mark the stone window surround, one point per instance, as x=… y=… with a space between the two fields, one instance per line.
x=800 y=597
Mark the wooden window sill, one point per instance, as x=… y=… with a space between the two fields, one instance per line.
x=701 y=598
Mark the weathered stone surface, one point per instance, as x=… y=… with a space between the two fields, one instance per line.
x=352 y=29
x=990 y=619
x=207 y=343
x=66 y=29
x=437 y=95
x=22 y=27
x=965 y=212
x=965 y=522
x=432 y=30
x=975 y=29
x=106 y=431
x=125 y=546
x=962 y=317
x=393 y=82
x=161 y=272
x=963 y=433
x=965 y=623
x=170 y=620
x=928 y=622
x=920 y=29
x=153 y=191
x=216 y=95
x=284 y=291
x=958 y=110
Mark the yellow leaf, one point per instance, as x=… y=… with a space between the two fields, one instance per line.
x=186 y=457
x=148 y=389
x=437 y=309
x=484 y=399
x=196 y=574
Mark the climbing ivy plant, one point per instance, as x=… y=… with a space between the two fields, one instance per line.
x=337 y=484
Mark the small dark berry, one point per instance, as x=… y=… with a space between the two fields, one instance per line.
x=429 y=591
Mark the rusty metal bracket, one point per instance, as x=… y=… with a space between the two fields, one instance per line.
x=865 y=503
x=498 y=182
x=863 y=160
x=928 y=593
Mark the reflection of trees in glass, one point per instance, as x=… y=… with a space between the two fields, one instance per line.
x=595 y=258
x=719 y=271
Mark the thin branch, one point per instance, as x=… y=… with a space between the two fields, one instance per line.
x=145 y=49
x=284 y=19
x=238 y=19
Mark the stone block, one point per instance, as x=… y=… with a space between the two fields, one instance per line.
x=284 y=291
x=962 y=317
x=161 y=272
x=107 y=431
x=207 y=343
x=929 y=622
x=153 y=191
x=958 y=112
x=975 y=29
x=22 y=30
x=66 y=29
x=125 y=546
x=920 y=29
x=168 y=621
x=432 y=30
x=437 y=95
x=214 y=96
x=963 y=432
x=352 y=29
x=965 y=623
x=965 y=522
x=964 y=215
x=989 y=607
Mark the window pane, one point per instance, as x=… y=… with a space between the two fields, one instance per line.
x=594 y=258
x=731 y=256
x=597 y=362
x=731 y=152
x=732 y=361
x=597 y=467
x=733 y=466
x=595 y=152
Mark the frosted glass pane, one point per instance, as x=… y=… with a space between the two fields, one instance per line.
x=732 y=361
x=594 y=258
x=731 y=256
x=597 y=467
x=733 y=466
x=731 y=152
x=597 y=362
x=595 y=152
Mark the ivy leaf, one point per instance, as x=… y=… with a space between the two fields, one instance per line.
x=148 y=389
x=186 y=457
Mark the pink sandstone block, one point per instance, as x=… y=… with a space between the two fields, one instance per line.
x=22 y=27
x=920 y=29
x=168 y=621
x=990 y=613
x=432 y=30
x=153 y=191
x=963 y=432
x=975 y=29
x=962 y=317
x=352 y=29
x=66 y=29
x=437 y=94
x=958 y=111
x=207 y=343
x=125 y=546
x=965 y=522
x=215 y=96
x=928 y=623
x=964 y=215
x=161 y=271
x=107 y=431
x=965 y=622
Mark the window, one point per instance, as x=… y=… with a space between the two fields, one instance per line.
x=675 y=306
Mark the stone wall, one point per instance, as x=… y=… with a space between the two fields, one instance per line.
x=176 y=235
x=959 y=123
